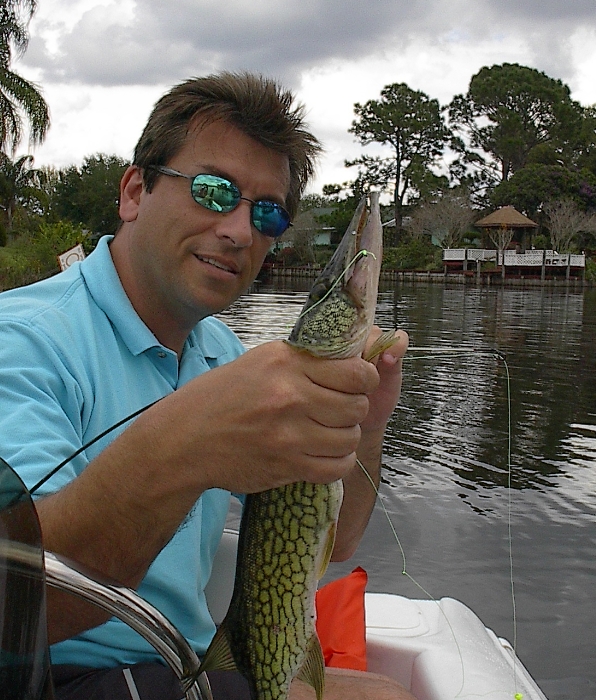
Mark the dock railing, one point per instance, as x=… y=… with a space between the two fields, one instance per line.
x=543 y=259
x=531 y=258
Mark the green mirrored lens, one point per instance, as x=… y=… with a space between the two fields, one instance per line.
x=215 y=193
x=269 y=218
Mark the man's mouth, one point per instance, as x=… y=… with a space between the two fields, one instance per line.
x=217 y=263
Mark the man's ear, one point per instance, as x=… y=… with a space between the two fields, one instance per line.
x=131 y=187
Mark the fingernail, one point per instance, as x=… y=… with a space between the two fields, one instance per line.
x=389 y=358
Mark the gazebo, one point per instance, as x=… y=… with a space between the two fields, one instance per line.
x=501 y=226
x=508 y=217
x=505 y=219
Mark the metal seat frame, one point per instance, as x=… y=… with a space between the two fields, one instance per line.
x=24 y=558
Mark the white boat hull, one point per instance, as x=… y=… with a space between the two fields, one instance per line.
x=438 y=650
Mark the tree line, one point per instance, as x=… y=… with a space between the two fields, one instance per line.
x=516 y=137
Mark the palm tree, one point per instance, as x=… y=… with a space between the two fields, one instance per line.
x=21 y=185
x=18 y=96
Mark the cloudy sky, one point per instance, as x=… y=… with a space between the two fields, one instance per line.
x=103 y=63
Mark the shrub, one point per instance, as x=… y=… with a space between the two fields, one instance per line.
x=413 y=254
x=541 y=242
x=323 y=255
x=287 y=257
x=16 y=269
x=391 y=259
x=34 y=255
x=590 y=270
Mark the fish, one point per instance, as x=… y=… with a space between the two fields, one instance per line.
x=287 y=534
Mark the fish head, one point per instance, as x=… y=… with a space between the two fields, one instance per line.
x=339 y=313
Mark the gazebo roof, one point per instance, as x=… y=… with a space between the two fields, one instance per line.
x=506 y=217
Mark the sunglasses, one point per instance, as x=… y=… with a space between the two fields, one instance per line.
x=220 y=194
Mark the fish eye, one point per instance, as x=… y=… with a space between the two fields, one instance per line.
x=318 y=291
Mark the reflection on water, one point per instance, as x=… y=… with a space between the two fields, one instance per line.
x=257 y=318
x=445 y=481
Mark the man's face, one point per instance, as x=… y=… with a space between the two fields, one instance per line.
x=184 y=260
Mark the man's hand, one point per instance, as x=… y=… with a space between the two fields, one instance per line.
x=275 y=415
x=386 y=396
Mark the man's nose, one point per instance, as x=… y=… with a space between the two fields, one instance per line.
x=236 y=225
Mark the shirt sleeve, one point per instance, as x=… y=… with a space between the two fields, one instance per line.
x=42 y=407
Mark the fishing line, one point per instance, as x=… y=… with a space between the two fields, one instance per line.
x=57 y=468
x=456 y=352
x=411 y=578
x=360 y=254
x=431 y=352
x=517 y=696
x=453 y=352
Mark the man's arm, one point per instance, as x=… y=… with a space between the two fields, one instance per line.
x=271 y=417
x=360 y=487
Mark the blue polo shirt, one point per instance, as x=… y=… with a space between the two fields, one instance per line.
x=74 y=359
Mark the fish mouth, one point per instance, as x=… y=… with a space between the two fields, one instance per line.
x=360 y=249
x=365 y=279
x=339 y=312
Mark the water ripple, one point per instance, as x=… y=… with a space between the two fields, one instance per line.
x=446 y=478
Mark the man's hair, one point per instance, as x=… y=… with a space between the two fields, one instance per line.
x=256 y=105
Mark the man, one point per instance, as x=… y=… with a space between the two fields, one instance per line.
x=132 y=325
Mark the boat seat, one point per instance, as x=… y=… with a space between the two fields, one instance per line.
x=24 y=657
x=25 y=569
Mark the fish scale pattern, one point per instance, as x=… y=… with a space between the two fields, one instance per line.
x=331 y=328
x=272 y=620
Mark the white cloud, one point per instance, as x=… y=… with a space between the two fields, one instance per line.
x=583 y=80
x=102 y=64
x=88 y=120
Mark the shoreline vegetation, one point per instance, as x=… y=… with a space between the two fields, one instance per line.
x=22 y=271
x=510 y=163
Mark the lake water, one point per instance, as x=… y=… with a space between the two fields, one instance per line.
x=446 y=480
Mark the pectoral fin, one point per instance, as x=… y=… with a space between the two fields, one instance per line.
x=313 y=668
x=382 y=343
x=218 y=656
x=327 y=551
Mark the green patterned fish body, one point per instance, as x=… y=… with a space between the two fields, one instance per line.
x=287 y=534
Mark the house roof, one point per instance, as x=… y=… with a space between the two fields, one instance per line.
x=506 y=217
